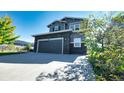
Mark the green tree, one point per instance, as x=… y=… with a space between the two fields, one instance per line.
x=7 y=35
x=104 y=40
x=103 y=31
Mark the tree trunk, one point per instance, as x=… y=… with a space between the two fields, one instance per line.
x=102 y=44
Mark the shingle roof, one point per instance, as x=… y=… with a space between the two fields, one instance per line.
x=57 y=21
x=72 y=18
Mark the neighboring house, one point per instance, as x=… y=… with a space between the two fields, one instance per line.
x=63 y=37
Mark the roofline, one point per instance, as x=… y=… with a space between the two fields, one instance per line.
x=64 y=18
x=52 y=33
x=56 y=21
x=73 y=18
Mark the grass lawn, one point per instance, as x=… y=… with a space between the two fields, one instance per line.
x=9 y=53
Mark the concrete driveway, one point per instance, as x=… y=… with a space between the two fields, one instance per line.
x=27 y=66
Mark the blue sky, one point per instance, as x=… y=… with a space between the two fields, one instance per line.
x=34 y=22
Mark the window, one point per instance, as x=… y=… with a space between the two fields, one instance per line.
x=71 y=26
x=77 y=42
x=56 y=28
x=77 y=26
x=74 y=26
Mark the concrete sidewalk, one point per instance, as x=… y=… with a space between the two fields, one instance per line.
x=19 y=72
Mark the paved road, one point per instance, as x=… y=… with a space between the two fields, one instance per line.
x=26 y=67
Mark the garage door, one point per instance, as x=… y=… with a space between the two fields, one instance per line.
x=53 y=45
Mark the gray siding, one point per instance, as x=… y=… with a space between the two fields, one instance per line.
x=74 y=50
x=76 y=35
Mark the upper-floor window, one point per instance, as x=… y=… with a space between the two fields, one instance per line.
x=74 y=26
x=77 y=26
x=56 y=28
x=71 y=26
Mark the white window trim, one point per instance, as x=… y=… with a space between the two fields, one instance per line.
x=79 y=42
x=51 y=39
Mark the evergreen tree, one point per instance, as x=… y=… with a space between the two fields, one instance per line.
x=7 y=35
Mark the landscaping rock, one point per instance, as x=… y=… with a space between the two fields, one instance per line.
x=80 y=70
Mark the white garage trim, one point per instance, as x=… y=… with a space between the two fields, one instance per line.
x=50 y=39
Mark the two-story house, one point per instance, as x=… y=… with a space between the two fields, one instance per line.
x=63 y=37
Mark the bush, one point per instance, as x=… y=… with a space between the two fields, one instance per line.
x=28 y=47
x=109 y=64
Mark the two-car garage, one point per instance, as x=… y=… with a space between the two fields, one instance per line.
x=51 y=45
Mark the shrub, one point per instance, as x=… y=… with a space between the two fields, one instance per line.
x=108 y=65
x=28 y=47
